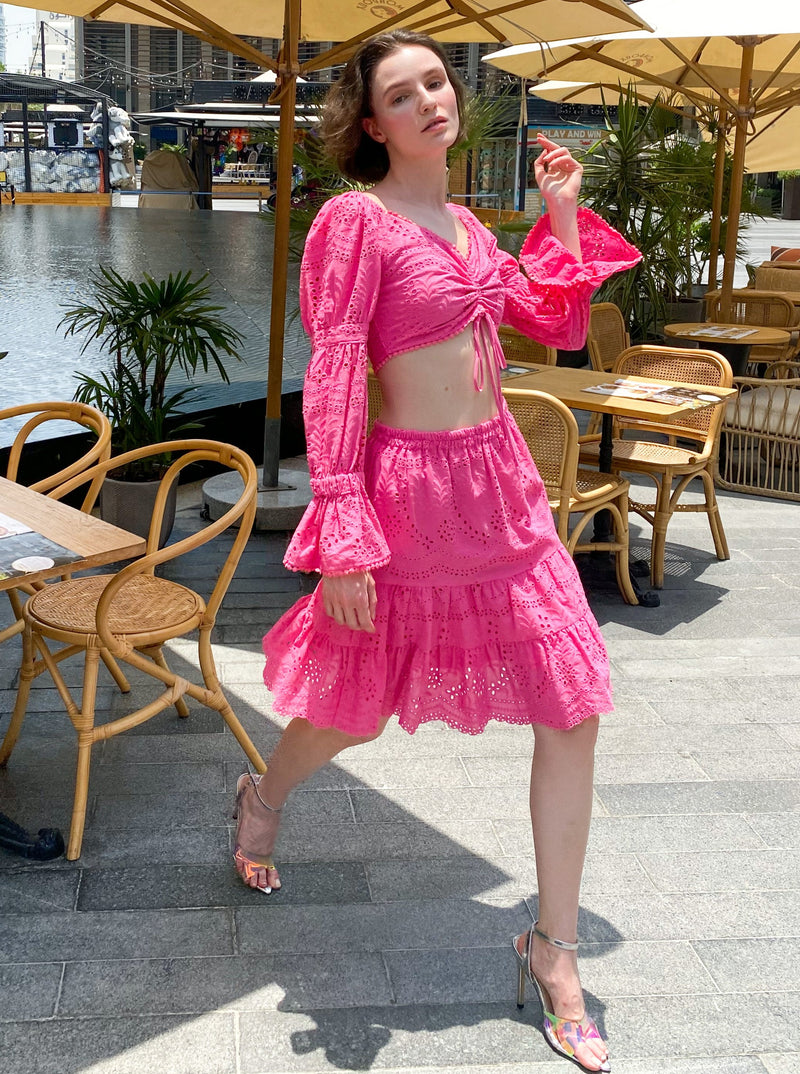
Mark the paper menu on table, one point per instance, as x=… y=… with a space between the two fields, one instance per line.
x=692 y=398
x=718 y=332
x=10 y=526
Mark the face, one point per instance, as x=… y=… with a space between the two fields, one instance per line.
x=414 y=106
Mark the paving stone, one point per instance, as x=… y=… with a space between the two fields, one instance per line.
x=200 y=1045
x=717 y=796
x=195 y=985
x=424 y=924
x=153 y=887
x=472 y=975
x=195 y=810
x=431 y=804
x=36 y=889
x=777 y=829
x=391 y=1037
x=177 y=846
x=775 y=1063
x=632 y=915
x=758 y=764
x=752 y=965
x=643 y=834
x=29 y=992
x=314 y=841
x=134 y=934
x=733 y=870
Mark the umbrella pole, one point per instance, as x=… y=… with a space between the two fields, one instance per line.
x=737 y=178
x=280 y=247
x=716 y=203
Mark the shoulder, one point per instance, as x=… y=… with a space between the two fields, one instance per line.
x=351 y=209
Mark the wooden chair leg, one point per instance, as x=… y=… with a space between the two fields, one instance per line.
x=26 y=677
x=85 y=727
x=116 y=671
x=714 y=520
x=220 y=702
x=156 y=654
x=622 y=555
x=658 y=545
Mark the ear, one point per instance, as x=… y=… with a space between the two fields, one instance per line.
x=372 y=129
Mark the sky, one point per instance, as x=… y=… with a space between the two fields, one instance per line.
x=20 y=28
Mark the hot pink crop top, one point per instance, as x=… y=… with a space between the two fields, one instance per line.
x=373 y=285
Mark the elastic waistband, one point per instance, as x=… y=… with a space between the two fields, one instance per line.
x=485 y=430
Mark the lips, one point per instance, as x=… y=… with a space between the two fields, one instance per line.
x=440 y=121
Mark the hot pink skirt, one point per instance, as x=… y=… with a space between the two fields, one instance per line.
x=481 y=614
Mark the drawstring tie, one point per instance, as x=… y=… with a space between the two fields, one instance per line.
x=488 y=352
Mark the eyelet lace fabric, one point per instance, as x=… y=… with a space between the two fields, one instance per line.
x=481 y=614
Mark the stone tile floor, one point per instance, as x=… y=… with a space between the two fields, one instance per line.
x=408 y=865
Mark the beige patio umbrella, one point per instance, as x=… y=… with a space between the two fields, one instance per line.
x=346 y=23
x=696 y=49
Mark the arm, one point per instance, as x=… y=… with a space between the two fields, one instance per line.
x=566 y=257
x=339 y=533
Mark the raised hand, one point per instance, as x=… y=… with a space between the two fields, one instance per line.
x=558 y=174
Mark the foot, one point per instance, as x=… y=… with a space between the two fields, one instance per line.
x=557 y=973
x=256 y=833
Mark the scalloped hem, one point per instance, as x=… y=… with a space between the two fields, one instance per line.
x=520 y=650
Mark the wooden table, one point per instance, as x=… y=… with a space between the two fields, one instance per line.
x=94 y=542
x=737 y=351
x=568 y=385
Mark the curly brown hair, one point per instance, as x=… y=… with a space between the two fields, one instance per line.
x=354 y=153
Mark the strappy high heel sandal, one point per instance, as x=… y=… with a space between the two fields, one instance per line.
x=246 y=866
x=563 y=1035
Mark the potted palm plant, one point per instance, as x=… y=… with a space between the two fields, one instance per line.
x=150 y=328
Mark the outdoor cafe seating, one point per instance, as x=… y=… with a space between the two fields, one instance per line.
x=761 y=434
x=665 y=459
x=125 y=618
x=575 y=494
x=97 y=449
x=764 y=309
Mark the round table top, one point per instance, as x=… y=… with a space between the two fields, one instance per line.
x=708 y=331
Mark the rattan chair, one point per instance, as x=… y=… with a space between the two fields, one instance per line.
x=761 y=434
x=766 y=309
x=670 y=465
x=607 y=338
x=608 y=335
x=38 y=414
x=551 y=433
x=522 y=350
x=130 y=615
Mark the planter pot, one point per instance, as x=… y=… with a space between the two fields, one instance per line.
x=129 y=505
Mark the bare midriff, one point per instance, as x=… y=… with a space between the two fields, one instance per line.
x=433 y=388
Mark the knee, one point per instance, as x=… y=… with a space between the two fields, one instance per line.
x=582 y=736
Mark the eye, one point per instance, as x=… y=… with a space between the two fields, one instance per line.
x=399 y=99
x=436 y=83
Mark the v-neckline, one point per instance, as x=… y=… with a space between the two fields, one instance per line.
x=464 y=255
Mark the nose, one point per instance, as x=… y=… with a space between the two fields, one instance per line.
x=427 y=100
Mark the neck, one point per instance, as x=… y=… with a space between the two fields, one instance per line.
x=411 y=184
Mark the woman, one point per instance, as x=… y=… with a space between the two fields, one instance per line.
x=445 y=591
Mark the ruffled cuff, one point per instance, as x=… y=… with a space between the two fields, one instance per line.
x=547 y=261
x=340 y=532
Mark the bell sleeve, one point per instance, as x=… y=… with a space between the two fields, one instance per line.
x=550 y=302
x=339 y=532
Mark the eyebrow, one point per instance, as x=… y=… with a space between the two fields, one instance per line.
x=393 y=87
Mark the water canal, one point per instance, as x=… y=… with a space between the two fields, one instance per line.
x=47 y=253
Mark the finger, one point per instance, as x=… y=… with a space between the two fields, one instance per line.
x=372 y=595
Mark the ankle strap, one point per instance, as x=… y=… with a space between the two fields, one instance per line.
x=562 y=944
x=266 y=805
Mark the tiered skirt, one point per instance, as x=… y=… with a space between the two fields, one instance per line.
x=481 y=614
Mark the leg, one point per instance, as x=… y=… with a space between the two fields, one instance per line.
x=301 y=751
x=561 y=805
